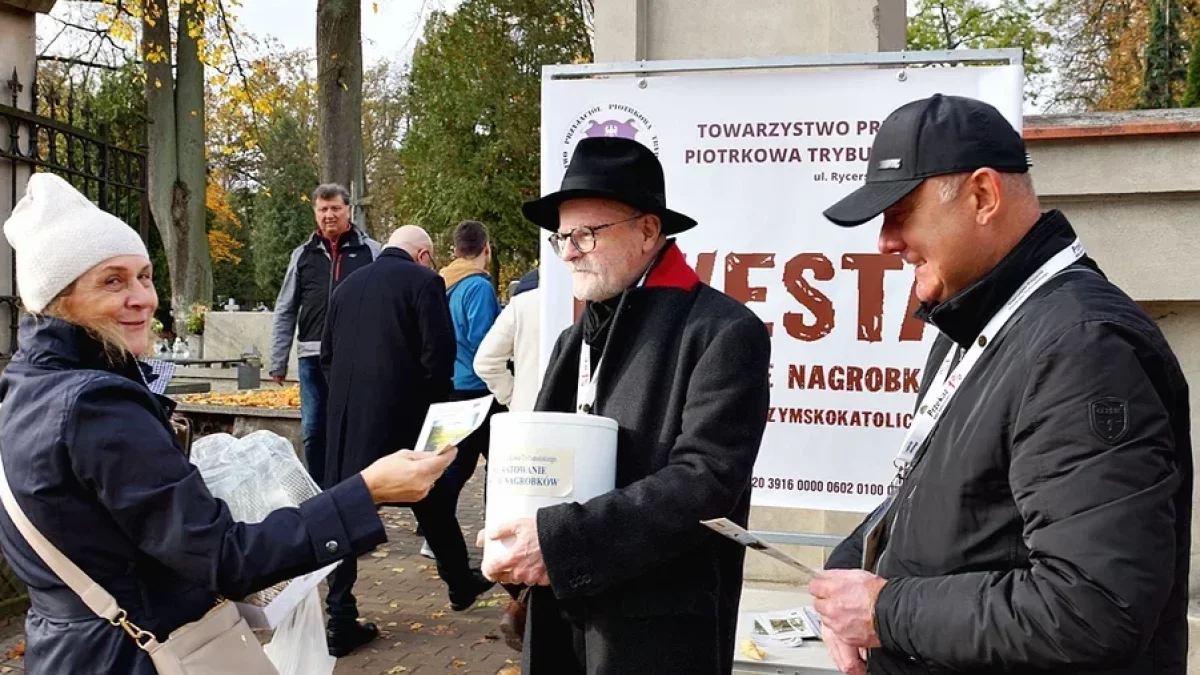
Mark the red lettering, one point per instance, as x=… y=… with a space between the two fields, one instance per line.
x=854 y=378
x=816 y=379
x=795 y=377
x=912 y=381
x=893 y=380
x=871 y=268
x=704 y=266
x=837 y=381
x=874 y=379
x=814 y=300
x=737 y=278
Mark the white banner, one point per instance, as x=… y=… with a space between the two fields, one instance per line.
x=755 y=159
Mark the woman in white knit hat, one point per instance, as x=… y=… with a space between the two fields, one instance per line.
x=91 y=459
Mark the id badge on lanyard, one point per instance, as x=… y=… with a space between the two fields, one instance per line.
x=585 y=392
x=935 y=402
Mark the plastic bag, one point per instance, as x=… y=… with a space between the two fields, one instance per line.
x=298 y=647
x=255 y=475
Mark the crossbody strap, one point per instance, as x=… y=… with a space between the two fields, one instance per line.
x=93 y=595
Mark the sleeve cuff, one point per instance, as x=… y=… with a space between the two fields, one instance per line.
x=565 y=556
x=343 y=521
x=889 y=624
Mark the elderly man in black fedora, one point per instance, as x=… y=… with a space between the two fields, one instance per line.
x=631 y=582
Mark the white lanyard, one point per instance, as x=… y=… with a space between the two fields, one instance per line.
x=585 y=393
x=928 y=415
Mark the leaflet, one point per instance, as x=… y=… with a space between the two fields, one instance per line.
x=745 y=538
x=447 y=424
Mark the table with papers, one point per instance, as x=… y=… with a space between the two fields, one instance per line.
x=809 y=659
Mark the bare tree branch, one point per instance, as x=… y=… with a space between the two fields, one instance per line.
x=76 y=62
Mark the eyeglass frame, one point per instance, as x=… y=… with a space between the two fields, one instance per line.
x=591 y=230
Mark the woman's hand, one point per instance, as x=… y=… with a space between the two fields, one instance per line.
x=406 y=476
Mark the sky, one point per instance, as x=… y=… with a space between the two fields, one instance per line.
x=390 y=28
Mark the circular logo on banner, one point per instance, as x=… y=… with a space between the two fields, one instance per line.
x=615 y=120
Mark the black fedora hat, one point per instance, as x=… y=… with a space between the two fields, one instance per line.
x=619 y=169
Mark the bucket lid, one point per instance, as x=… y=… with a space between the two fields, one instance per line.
x=556 y=419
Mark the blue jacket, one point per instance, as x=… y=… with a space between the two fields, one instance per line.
x=473 y=309
x=92 y=461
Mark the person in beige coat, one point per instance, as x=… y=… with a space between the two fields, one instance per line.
x=514 y=337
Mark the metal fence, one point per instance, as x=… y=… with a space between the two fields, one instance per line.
x=64 y=142
x=59 y=142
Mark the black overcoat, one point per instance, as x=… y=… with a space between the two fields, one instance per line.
x=647 y=587
x=388 y=353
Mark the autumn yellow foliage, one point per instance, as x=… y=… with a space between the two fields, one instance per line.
x=271 y=397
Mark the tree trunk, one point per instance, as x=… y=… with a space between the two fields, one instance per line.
x=175 y=167
x=195 y=263
x=162 y=168
x=340 y=82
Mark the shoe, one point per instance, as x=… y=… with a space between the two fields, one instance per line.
x=344 y=638
x=426 y=551
x=512 y=625
x=463 y=598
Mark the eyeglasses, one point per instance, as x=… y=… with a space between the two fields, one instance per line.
x=583 y=238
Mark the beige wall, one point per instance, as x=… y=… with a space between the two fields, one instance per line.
x=629 y=30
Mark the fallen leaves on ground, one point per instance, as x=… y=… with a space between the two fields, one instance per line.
x=752 y=651
x=511 y=669
x=398 y=570
x=17 y=652
x=414 y=627
x=437 y=615
x=397 y=670
x=271 y=397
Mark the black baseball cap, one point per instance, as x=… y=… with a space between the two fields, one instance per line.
x=930 y=137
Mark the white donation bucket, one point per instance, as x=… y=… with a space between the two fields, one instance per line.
x=539 y=459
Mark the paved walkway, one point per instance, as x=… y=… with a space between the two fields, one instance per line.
x=399 y=590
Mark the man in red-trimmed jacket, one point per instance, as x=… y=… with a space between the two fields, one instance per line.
x=631 y=582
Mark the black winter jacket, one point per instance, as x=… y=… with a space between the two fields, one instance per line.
x=1046 y=524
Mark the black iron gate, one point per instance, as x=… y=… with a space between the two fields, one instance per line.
x=112 y=176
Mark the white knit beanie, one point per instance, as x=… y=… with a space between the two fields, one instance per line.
x=58 y=235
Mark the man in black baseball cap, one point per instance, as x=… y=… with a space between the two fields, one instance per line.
x=1041 y=518
x=935 y=136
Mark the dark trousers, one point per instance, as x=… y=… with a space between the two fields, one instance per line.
x=314 y=394
x=340 y=603
x=437 y=514
x=437 y=518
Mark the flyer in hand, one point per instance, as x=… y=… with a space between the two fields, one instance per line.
x=447 y=424
x=745 y=538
